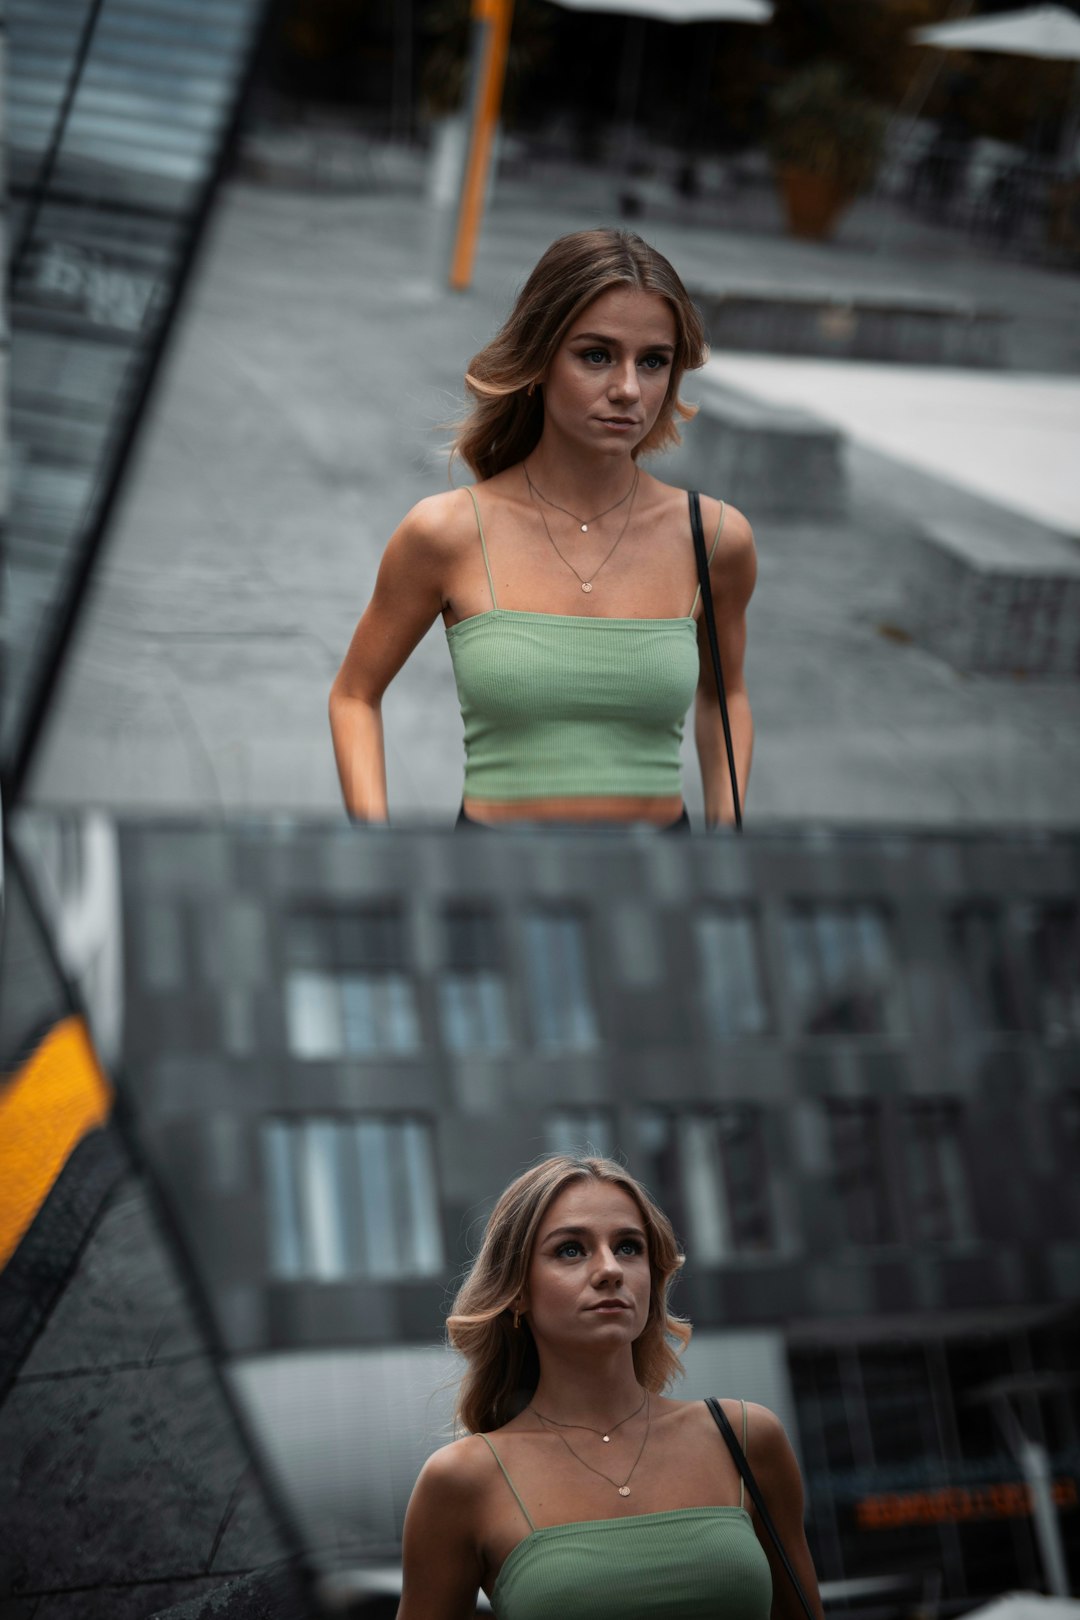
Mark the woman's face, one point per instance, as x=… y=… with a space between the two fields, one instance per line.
x=589 y=1281
x=609 y=378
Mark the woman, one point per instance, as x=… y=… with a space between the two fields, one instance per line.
x=581 y=1489
x=565 y=577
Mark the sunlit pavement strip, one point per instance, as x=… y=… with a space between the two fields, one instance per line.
x=1012 y=438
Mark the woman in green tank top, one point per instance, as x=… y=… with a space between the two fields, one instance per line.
x=580 y=1491
x=565 y=577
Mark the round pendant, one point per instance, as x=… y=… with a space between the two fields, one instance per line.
x=624 y=1490
x=586 y=584
x=606 y=1438
x=584 y=528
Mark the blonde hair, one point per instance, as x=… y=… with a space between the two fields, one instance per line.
x=507 y=418
x=502 y=1365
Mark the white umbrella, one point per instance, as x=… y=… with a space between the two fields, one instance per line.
x=1050 y=32
x=1047 y=31
x=677 y=11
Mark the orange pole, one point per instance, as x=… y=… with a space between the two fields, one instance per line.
x=494 y=17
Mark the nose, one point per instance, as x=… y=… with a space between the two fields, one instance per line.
x=624 y=381
x=608 y=1267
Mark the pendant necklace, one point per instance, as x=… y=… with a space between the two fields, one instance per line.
x=606 y=1438
x=584 y=522
x=624 y=1488
x=586 y=584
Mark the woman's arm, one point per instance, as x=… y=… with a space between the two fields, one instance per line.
x=733 y=573
x=441 y=1569
x=777 y=1473
x=408 y=596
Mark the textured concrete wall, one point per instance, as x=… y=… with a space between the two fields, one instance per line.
x=125 y=1487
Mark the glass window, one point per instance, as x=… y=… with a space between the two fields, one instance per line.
x=351 y=1197
x=712 y=1170
x=1051 y=936
x=841 y=968
x=347 y=989
x=860 y=1181
x=581 y=1131
x=731 y=978
x=985 y=990
x=558 y=983
x=473 y=1008
x=938 y=1198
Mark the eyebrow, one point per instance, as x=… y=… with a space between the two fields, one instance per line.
x=613 y=343
x=583 y=1231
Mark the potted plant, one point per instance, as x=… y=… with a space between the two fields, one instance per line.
x=825 y=139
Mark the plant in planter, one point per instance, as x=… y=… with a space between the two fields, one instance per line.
x=825 y=139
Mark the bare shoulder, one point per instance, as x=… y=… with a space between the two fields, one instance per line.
x=455 y=1473
x=436 y=527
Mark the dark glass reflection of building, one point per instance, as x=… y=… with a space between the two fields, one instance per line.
x=849 y=1067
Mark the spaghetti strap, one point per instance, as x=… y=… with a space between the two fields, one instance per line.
x=487 y=565
x=509 y=1481
x=742 y=1482
x=712 y=554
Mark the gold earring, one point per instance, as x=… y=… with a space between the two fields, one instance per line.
x=517 y=1319
x=531 y=390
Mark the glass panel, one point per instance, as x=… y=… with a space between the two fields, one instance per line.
x=425 y=1256
x=282 y=1203
x=589 y=1132
x=704 y=1192
x=841 y=968
x=939 y=1202
x=376 y=1200
x=859 y=1176
x=313 y=1016
x=320 y=1184
x=985 y=991
x=563 y=1018
x=734 y=995
x=1051 y=936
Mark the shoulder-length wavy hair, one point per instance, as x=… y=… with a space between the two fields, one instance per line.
x=502 y=1367
x=506 y=419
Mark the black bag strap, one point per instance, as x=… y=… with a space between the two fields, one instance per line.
x=743 y=1466
x=698 y=532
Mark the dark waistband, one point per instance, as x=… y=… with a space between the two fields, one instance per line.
x=682 y=825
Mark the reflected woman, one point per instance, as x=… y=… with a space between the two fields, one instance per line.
x=581 y=1489
x=565 y=576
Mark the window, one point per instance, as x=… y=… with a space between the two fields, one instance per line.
x=732 y=987
x=841 y=969
x=351 y=1197
x=938 y=1197
x=859 y=1171
x=581 y=1130
x=557 y=979
x=347 y=991
x=713 y=1169
x=472 y=991
x=986 y=990
x=1051 y=936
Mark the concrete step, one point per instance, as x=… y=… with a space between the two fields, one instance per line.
x=770 y=460
x=995 y=596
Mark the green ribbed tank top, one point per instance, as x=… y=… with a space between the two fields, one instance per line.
x=686 y=1564
x=564 y=705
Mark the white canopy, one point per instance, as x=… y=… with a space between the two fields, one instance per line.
x=677 y=11
x=1047 y=31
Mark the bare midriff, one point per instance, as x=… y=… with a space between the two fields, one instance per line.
x=660 y=812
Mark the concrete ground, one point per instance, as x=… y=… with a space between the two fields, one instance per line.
x=303 y=410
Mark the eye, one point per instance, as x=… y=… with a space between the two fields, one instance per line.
x=569 y=1250
x=655 y=362
x=598 y=356
x=632 y=1246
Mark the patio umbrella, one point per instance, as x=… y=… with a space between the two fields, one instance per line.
x=1050 y=32
x=670 y=11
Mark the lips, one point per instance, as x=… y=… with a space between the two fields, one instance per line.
x=610 y=1305
x=620 y=421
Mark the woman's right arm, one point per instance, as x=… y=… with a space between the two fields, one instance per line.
x=441 y=1569
x=407 y=598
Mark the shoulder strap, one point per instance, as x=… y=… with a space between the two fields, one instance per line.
x=509 y=1481
x=483 y=543
x=712 y=554
x=739 y=1455
x=714 y=646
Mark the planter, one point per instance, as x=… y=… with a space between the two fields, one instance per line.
x=813 y=202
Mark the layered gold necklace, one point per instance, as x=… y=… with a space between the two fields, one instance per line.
x=586 y=584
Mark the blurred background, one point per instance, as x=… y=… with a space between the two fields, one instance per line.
x=264 y=1073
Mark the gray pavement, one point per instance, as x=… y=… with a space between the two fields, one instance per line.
x=302 y=412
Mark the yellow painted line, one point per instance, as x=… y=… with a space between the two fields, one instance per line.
x=46 y=1108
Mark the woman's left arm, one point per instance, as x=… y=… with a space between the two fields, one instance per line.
x=732 y=575
x=777 y=1473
